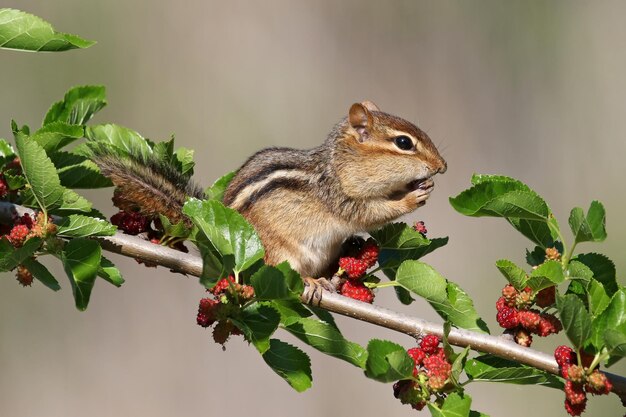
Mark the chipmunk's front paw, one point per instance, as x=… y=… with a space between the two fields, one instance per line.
x=314 y=287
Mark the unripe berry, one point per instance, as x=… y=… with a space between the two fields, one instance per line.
x=24 y=277
x=438 y=371
x=523 y=337
x=221 y=332
x=576 y=374
x=552 y=254
x=598 y=383
x=509 y=293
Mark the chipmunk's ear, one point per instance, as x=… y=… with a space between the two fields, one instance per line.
x=370 y=105
x=361 y=120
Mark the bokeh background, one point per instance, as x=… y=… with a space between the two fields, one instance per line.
x=531 y=89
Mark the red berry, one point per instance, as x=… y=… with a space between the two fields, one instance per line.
x=417 y=354
x=598 y=383
x=564 y=355
x=203 y=320
x=574 y=392
x=18 y=234
x=130 y=223
x=358 y=291
x=429 y=344
x=222 y=285
x=24 y=277
x=546 y=297
x=369 y=253
x=26 y=220
x=501 y=303
x=529 y=319
x=420 y=227
x=507 y=318
x=575 y=409
x=353 y=267
x=548 y=324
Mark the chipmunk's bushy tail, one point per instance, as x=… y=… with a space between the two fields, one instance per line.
x=145 y=184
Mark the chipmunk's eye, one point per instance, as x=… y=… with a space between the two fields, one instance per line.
x=403 y=142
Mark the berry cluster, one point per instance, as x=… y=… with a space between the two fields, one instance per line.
x=516 y=315
x=353 y=266
x=25 y=227
x=227 y=298
x=431 y=375
x=581 y=379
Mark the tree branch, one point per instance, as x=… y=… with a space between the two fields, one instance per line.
x=190 y=264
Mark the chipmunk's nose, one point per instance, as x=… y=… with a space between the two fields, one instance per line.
x=443 y=166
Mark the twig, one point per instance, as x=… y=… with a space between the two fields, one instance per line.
x=191 y=264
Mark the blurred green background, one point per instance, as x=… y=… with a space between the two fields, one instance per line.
x=531 y=89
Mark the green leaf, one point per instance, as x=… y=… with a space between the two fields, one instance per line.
x=615 y=342
x=6 y=151
x=537 y=231
x=269 y=283
x=546 y=275
x=613 y=316
x=455 y=405
x=81 y=260
x=41 y=274
x=500 y=198
x=458 y=365
x=590 y=228
x=387 y=361
x=575 y=318
x=57 y=135
x=216 y=191
x=77 y=171
x=399 y=242
x=174 y=230
x=514 y=274
x=597 y=298
x=488 y=368
x=291 y=277
x=290 y=363
x=327 y=339
x=15 y=182
x=77 y=225
x=603 y=270
x=290 y=310
x=109 y=272
x=447 y=298
x=123 y=140
x=11 y=257
x=23 y=31
x=214 y=265
x=78 y=106
x=258 y=322
x=72 y=202
x=227 y=230
x=184 y=161
x=39 y=172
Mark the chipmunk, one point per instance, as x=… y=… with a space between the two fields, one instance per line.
x=372 y=169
